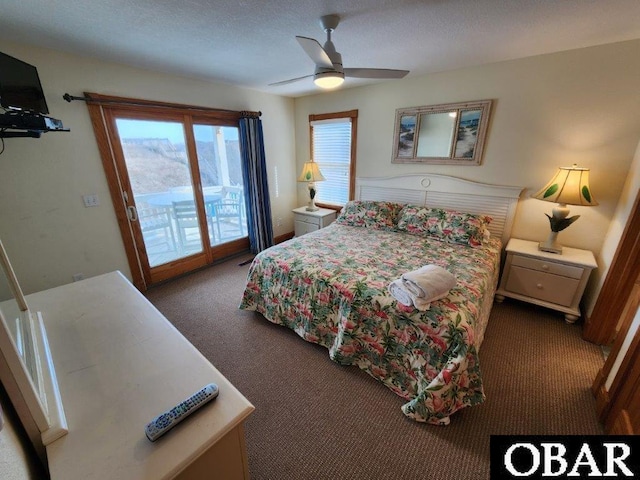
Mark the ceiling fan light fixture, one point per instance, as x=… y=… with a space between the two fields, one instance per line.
x=328 y=80
x=329 y=72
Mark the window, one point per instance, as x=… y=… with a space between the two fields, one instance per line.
x=333 y=148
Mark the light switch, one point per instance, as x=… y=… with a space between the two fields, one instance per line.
x=90 y=200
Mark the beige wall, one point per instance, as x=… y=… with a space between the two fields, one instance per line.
x=48 y=233
x=628 y=196
x=618 y=222
x=578 y=107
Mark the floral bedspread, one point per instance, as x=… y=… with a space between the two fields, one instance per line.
x=330 y=287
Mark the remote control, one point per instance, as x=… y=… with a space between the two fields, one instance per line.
x=169 y=419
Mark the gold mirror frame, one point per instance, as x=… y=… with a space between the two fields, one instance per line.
x=449 y=133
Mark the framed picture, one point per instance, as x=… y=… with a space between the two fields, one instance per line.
x=405 y=137
x=452 y=133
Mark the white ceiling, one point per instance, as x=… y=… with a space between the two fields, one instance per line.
x=252 y=43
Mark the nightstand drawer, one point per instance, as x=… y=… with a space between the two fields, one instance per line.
x=541 y=278
x=548 y=267
x=543 y=286
x=302 y=228
x=315 y=221
x=306 y=221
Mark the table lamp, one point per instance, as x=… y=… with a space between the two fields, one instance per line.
x=311 y=174
x=569 y=186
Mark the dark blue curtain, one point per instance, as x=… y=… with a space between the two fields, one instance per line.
x=254 y=169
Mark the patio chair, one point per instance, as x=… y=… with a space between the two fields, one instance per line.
x=186 y=218
x=236 y=194
x=156 y=228
x=228 y=217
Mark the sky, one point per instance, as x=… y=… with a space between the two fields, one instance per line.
x=172 y=130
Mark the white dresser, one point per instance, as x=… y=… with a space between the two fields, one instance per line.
x=119 y=364
x=551 y=280
x=306 y=221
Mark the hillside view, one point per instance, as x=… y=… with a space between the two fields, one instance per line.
x=157 y=164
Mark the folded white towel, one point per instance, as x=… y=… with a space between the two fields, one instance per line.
x=423 y=286
x=429 y=282
x=400 y=293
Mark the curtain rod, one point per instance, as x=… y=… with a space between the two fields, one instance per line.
x=243 y=113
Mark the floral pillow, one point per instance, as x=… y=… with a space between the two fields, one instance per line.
x=448 y=225
x=370 y=214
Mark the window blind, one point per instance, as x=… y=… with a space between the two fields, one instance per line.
x=332 y=153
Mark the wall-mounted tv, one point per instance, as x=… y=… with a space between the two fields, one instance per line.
x=20 y=86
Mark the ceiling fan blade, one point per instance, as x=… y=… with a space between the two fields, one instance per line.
x=374 y=73
x=291 y=80
x=315 y=51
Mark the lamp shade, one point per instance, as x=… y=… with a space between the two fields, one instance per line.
x=569 y=186
x=310 y=173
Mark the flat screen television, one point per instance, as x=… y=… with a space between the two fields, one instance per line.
x=20 y=86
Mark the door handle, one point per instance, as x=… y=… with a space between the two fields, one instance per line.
x=132 y=213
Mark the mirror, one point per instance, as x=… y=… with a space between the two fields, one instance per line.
x=452 y=133
x=26 y=367
x=15 y=313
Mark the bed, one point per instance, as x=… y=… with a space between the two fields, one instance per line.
x=331 y=286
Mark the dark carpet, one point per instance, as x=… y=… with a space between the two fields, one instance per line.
x=315 y=419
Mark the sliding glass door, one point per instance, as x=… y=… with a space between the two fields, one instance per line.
x=220 y=167
x=181 y=184
x=161 y=181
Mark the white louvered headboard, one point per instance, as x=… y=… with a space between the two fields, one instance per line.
x=441 y=191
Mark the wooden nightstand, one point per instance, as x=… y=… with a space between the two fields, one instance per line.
x=306 y=221
x=551 y=280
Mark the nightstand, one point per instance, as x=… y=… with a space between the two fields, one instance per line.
x=551 y=280
x=306 y=221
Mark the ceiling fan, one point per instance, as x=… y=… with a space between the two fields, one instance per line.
x=329 y=72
